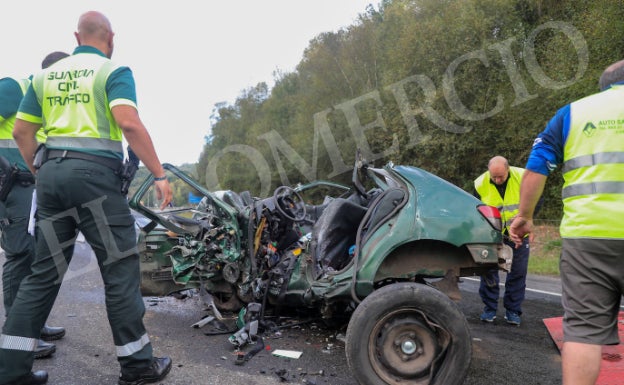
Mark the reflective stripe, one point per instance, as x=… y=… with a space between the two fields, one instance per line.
x=18 y=343
x=8 y=143
x=84 y=143
x=593 y=188
x=511 y=207
x=592 y=160
x=132 y=347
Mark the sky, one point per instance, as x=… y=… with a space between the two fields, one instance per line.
x=186 y=56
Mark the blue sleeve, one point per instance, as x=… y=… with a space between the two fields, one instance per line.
x=120 y=85
x=547 y=152
x=10 y=97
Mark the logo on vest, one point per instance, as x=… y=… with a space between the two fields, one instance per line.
x=589 y=130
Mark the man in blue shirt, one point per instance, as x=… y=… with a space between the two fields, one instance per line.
x=586 y=137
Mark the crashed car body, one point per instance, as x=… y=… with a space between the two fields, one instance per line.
x=387 y=257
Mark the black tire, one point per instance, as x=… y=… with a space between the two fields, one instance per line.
x=225 y=298
x=408 y=333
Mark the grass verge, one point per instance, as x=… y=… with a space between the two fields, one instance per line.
x=545 y=250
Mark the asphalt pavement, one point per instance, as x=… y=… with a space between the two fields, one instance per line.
x=502 y=354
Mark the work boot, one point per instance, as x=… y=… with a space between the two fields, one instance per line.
x=156 y=372
x=39 y=377
x=51 y=333
x=44 y=349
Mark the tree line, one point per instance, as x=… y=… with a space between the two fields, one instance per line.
x=443 y=85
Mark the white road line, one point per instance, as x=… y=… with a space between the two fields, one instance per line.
x=543 y=292
x=527 y=289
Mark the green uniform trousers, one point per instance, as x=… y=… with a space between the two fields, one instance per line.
x=18 y=245
x=79 y=195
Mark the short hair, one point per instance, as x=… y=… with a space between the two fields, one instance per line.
x=613 y=74
x=53 y=58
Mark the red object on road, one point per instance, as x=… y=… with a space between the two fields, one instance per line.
x=612 y=368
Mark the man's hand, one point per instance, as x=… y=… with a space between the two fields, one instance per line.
x=163 y=191
x=519 y=228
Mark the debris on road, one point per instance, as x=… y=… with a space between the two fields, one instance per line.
x=287 y=353
x=203 y=322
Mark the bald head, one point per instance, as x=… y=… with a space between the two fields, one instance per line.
x=95 y=30
x=499 y=169
x=613 y=74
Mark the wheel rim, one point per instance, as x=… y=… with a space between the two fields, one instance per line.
x=403 y=347
x=227 y=300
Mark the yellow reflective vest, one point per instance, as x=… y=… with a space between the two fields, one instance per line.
x=507 y=206
x=593 y=167
x=72 y=95
x=6 y=125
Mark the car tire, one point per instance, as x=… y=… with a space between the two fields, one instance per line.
x=408 y=333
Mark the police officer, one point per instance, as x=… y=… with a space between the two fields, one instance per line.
x=500 y=187
x=586 y=138
x=15 y=199
x=85 y=103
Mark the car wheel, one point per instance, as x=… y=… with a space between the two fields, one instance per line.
x=408 y=333
x=225 y=298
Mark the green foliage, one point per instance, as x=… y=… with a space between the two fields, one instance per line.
x=486 y=93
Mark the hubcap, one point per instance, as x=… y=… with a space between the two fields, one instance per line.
x=403 y=347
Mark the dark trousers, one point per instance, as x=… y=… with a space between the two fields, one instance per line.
x=515 y=284
x=18 y=245
x=78 y=195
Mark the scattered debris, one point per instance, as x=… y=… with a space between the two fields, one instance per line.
x=208 y=299
x=282 y=374
x=203 y=322
x=287 y=353
x=611 y=356
x=155 y=300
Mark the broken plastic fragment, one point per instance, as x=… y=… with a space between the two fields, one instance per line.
x=287 y=353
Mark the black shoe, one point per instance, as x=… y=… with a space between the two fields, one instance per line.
x=39 y=377
x=156 y=372
x=44 y=349
x=51 y=333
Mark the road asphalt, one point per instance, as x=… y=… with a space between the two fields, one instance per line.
x=502 y=354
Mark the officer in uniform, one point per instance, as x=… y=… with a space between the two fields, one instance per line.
x=85 y=103
x=16 y=188
x=500 y=187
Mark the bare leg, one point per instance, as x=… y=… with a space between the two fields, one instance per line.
x=580 y=363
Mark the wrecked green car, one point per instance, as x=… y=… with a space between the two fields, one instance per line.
x=384 y=255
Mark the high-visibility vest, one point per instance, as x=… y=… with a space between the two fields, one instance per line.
x=8 y=147
x=593 y=167
x=76 y=113
x=507 y=206
x=6 y=126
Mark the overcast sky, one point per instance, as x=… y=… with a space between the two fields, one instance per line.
x=185 y=55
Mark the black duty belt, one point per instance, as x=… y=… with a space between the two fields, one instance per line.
x=25 y=178
x=113 y=164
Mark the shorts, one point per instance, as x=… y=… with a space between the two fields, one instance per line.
x=592 y=278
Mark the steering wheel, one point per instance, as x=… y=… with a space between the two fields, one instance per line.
x=289 y=203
